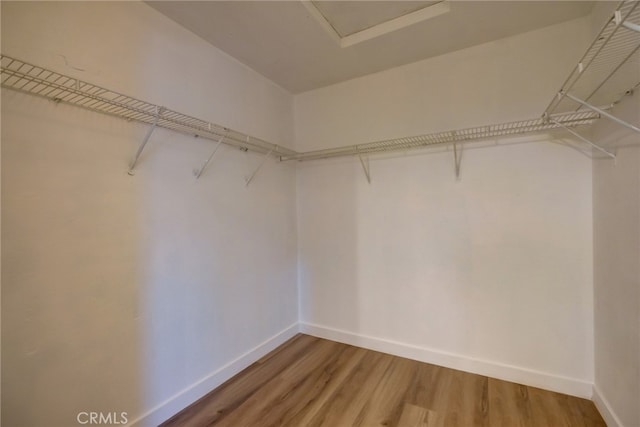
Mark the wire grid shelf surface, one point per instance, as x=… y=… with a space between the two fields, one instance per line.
x=609 y=67
x=570 y=119
x=24 y=77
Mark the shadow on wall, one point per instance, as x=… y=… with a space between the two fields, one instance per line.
x=328 y=241
x=219 y=257
x=374 y=244
x=204 y=256
x=70 y=259
x=120 y=292
x=414 y=251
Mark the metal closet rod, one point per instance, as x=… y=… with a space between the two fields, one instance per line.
x=624 y=11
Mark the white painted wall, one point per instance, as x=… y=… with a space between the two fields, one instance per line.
x=616 y=214
x=508 y=79
x=492 y=274
x=119 y=292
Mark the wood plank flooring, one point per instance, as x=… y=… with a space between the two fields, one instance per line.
x=310 y=381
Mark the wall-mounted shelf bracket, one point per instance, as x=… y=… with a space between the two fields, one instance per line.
x=132 y=166
x=264 y=159
x=198 y=172
x=601 y=112
x=365 y=167
x=457 y=158
x=628 y=25
x=608 y=66
x=583 y=139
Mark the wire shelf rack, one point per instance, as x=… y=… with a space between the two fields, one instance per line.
x=28 y=78
x=24 y=77
x=609 y=68
x=571 y=119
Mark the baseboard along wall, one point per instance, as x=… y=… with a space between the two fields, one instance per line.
x=516 y=374
x=189 y=395
x=529 y=377
x=604 y=407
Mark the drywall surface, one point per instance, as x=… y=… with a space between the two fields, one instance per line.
x=135 y=50
x=495 y=268
x=505 y=80
x=616 y=215
x=120 y=293
x=492 y=273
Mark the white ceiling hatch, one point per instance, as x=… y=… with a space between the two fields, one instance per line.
x=351 y=22
x=287 y=42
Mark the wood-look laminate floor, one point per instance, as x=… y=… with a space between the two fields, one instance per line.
x=310 y=381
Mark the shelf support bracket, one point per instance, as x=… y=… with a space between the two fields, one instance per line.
x=583 y=139
x=133 y=163
x=198 y=172
x=365 y=167
x=602 y=112
x=629 y=25
x=457 y=158
x=264 y=159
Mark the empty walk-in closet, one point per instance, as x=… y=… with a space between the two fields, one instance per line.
x=320 y=213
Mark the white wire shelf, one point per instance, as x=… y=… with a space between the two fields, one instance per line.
x=609 y=68
x=571 y=119
x=24 y=77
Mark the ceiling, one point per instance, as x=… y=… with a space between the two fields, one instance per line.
x=311 y=44
x=349 y=17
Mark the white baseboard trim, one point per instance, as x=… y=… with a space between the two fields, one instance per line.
x=184 y=398
x=603 y=405
x=530 y=377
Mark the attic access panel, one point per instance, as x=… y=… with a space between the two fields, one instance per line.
x=353 y=22
x=351 y=17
